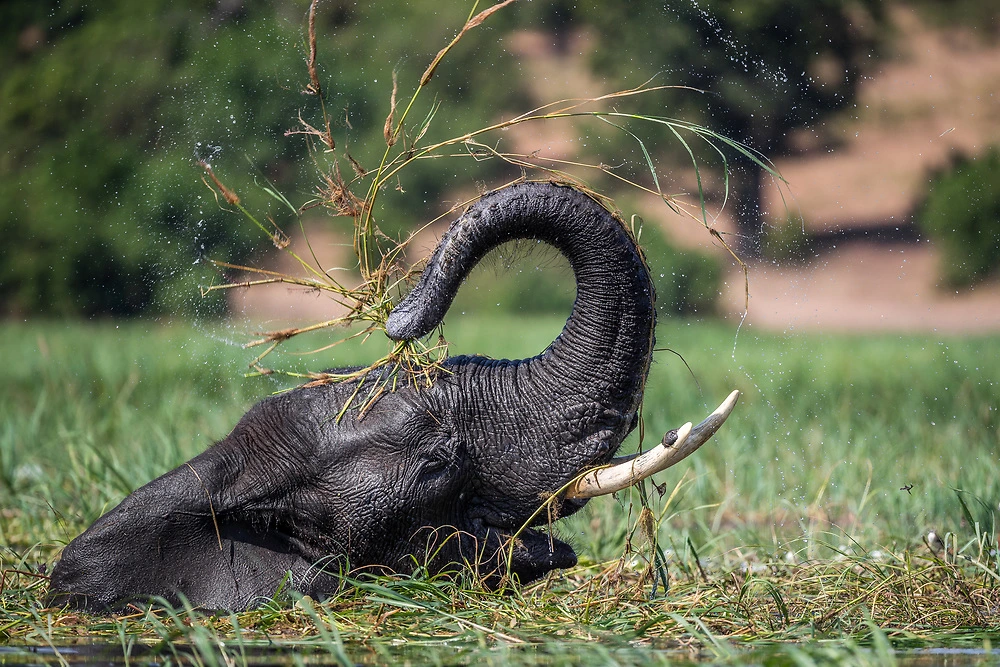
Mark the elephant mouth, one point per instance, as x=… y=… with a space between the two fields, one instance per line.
x=526 y=553
x=497 y=545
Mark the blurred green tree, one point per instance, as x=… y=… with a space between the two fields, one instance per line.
x=103 y=105
x=106 y=108
x=767 y=67
x=962 y=214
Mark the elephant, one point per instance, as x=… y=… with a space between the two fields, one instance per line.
x=448 y=477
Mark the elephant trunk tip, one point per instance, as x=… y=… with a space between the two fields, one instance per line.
x=399 y=328
x=405 y=323
x=420 y=311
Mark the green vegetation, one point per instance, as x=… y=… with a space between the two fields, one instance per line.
x=962 y=214
x=765 y=69
x=786 y=240
x=108 y=106
x=803 y=520
x=687 y=282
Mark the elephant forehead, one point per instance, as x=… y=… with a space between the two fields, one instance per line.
x=309 y=427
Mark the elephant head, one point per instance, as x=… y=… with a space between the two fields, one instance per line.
x=440 y=476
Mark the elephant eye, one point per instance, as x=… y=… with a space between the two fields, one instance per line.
x=433 y=466
x=439 y=461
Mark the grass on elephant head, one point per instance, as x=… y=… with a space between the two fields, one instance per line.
x=804 y=518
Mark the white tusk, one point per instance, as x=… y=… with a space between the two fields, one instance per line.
x=624 y=471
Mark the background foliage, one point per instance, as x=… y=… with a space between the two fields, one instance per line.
x=962 y=213
x=105 y=108
x=766 y=68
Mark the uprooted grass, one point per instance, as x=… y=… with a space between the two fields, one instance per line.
x=804 y=519
x=382 y=269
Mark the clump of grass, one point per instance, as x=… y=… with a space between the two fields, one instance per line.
x=381 y=261
x=910 y=598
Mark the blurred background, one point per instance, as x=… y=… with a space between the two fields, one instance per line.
x=883 y=118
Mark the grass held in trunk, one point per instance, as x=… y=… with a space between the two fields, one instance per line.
x=368 y=289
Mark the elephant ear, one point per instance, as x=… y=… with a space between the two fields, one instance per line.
x=198 y=530
x=167 y=540
x=290 y=497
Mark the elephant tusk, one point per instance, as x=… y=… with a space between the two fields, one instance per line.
x=624 y=471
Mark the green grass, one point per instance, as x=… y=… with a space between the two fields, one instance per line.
x=792 y=525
